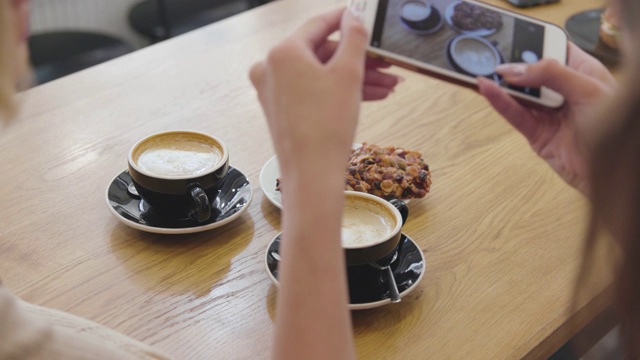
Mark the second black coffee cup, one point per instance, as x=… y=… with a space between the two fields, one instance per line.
x=177 y=173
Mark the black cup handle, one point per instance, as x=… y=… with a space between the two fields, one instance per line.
x=402 y=207
x=202 y=208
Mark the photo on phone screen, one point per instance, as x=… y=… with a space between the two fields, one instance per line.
x=457 y=35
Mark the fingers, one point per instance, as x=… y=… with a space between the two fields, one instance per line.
x=574 y=53
x=377 y=64
x=372 y=92
x=586 y=64
x=257 y=74
x=376 y=78
x=315 y=31
x=576 y=58
x=348 y=55
x=508 y=107
x=303 y=45
x=571 y=84
x=318 y=28
x=353 y=41
x=325 y=51
x=378 y=85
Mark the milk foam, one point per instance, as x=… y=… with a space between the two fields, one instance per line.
x=178 y=158
x=415 y=11
x=361 y=226
x=476 y=58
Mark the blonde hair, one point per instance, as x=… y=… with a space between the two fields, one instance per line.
x=615 y=180
x=7 y=62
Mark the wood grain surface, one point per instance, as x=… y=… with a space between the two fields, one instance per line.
x=502 y=234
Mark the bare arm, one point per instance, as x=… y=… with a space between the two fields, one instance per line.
x=33 y=332
x=310 y=90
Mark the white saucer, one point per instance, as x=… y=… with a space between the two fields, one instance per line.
x=233 y=199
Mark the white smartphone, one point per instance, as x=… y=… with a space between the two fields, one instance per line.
x=459 y=41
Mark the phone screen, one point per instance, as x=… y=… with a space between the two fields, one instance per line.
x=458 y=36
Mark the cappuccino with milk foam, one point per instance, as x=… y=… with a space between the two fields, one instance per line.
x=178 y=155
x=365 y=222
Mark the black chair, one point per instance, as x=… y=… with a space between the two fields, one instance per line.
x=161 y=19
x=60 y=53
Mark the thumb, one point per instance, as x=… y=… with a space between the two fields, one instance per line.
x=572 y=85
x=353 y=42
x=516 y=114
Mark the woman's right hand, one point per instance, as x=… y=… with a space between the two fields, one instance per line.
x=555 y=134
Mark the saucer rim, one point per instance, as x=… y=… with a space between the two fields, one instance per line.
x=361 y=306
x=177 y=231
x=269 y=194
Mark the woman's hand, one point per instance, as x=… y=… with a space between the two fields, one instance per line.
x=310 y=89
x=377 y=85
x=555 y=135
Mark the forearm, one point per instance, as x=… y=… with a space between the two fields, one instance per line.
x=313 y=320
x=312 y=102
x=33 y=332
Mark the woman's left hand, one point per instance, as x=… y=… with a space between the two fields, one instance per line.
x=310 y=89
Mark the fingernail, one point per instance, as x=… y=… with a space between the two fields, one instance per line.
x=512 y=70
x=355 y=12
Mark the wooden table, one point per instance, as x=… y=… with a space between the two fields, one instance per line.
x=501 y=233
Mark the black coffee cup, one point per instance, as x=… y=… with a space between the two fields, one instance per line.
x=371 y=227
x=474 y=55
x=177 y=173
x=420 y=16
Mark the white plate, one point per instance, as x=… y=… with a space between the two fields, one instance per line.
x=271 y=172
x=448 y=14
x=268 y=176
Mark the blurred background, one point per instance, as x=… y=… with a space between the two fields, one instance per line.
x=71 y=35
